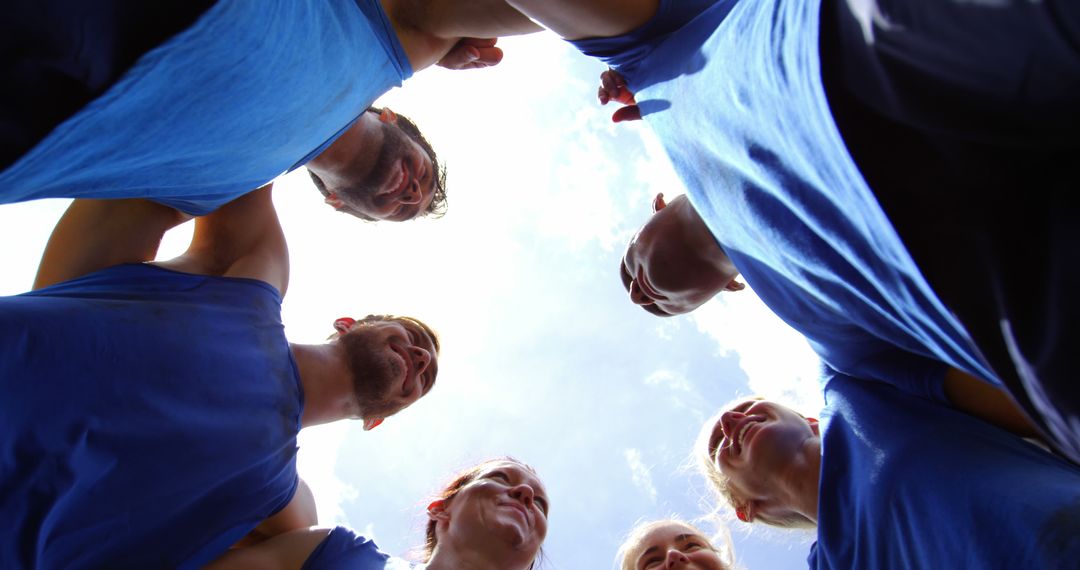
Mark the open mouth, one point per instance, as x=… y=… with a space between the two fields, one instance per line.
x=744 y=432
x=647 y=287
x=398 y=179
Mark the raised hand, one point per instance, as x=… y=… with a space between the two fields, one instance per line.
x=613 y=88
x=472 y=53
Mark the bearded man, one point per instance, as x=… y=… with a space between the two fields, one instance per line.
x=151 y=409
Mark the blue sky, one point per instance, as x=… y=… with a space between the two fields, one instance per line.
x=544 y=357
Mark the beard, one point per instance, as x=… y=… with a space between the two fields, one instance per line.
x=375 y=374
x=394 y=146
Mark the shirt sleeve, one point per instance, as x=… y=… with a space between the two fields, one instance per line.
x=913 y=374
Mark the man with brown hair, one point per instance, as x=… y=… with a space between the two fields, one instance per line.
x=151 y=409
x=207 y=100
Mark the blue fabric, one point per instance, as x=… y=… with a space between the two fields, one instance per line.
x=61 y=54
x=149 y=419
x=343 y=549
x=735 y=96
x=948 y=110
x=909 y=483
x=249 y=91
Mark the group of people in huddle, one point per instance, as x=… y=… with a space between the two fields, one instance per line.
x=891 y=177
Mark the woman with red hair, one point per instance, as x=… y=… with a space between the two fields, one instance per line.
x=492 y=515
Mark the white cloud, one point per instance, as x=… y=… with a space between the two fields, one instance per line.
x=640 y=475
x=668 y=379
x=319 y=448
x=777 y=360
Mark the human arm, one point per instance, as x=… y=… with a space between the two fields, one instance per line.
x=95 y=234
x=300 y=513
x=579 y=19
x=456 y=34
x=933 y=380
x=240 y=239
x=613 y=88
x=286 y=551
x=988 y=402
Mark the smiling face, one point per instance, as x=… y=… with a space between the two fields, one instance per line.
x=671 y=545
x=674 y=265
x=394 y=362
x=502 y=510
x=376 y=171
x=755 y=445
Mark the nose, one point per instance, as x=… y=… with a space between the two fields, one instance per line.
x=523 y=493
x=675 y=558
x=411 y=193
x=728 y=420
x=639 y=297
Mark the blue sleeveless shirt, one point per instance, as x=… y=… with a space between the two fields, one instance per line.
x=148 y=419
x=251 y=90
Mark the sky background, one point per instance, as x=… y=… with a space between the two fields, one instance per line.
x=544 y=358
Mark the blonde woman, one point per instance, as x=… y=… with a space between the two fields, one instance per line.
x=671 y=544
x=492 y=516
x=893 y=480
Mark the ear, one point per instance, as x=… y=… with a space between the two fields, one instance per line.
x=734 y=285
x=744 y=513
x=813 y=425
x=344 y=324
x=388 y=116
x=436 y=511
x=658 y=203
x=372 y=423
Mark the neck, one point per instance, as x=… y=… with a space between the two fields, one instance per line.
x=446 y=557
x=324 y=376
x=800 y=483
x=700 y=238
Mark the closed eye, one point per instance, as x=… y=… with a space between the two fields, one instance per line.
x=543 y=504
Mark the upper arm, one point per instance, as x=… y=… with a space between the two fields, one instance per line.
x=475 y=19
x=287 y=551
x=580 y=19
x=241 y=239
x=299 y=513
x=95 y=234
x=987 y=402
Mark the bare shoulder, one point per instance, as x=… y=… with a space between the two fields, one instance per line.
x=241 y=239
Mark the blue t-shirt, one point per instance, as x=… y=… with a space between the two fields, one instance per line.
x=909 y=483
x=343 y=549
x=735 y=95
x=148 y=419
x=251 y=90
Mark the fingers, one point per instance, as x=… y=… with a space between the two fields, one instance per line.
x=472 y=53
x=613 y=88
x=627 y=113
